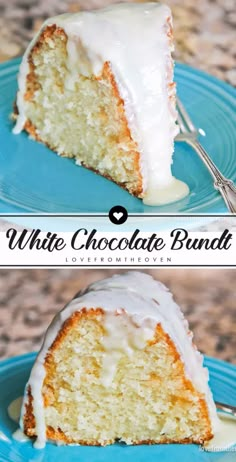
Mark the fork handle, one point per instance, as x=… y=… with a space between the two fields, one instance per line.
x=226 y=187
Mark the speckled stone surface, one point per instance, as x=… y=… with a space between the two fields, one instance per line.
x=204 y=29
x=30 y=298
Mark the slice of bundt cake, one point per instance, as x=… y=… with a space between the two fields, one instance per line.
x=98 y=87
x=118 y=364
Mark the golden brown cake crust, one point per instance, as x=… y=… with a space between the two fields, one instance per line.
x=58 y=435
x=105 y=75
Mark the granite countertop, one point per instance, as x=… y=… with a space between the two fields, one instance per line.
x=30 y=298
x=204 y=29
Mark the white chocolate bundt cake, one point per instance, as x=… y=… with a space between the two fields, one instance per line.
x=98 y=87
x=118 y=364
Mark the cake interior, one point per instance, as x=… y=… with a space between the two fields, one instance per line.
x=78 y=114
x=150 y=399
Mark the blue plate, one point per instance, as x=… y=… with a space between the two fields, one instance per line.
x=13 y=376
x=34 y=179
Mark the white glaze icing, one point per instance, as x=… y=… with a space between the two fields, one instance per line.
x=14 y=409
x=146 y=302
x=14 y=412
x=134 y=39
x=19 y=435
x=175 y=191
x=122 y=335
x=225 y=436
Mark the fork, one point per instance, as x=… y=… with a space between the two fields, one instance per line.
x=189 y=134
x=226 y=408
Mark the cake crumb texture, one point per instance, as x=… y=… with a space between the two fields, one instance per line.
x=81 y=116
x=150 y=399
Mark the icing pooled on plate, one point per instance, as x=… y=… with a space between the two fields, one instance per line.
x=14 y=409
x=225 y=436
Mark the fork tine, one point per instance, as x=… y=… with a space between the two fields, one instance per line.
x=184 y=115
x=180 y=121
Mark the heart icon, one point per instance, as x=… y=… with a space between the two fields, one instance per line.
x=118 y=215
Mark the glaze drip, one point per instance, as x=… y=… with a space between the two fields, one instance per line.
x=136 y=39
